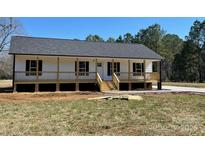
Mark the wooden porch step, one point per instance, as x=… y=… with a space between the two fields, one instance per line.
x=107 y=85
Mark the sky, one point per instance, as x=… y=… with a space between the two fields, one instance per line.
x=80 y=27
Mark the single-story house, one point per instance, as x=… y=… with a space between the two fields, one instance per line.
x=41 y=64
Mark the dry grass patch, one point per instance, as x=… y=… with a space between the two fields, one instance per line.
x=5 y=83
x=184 y=84
x=167 y=114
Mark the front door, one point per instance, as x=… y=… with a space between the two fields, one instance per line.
x=116 y=68
x=100 y=69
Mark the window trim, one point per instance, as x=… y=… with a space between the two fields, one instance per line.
x=84 y=71
x=31 y=70
x=156 y=65
x=138 y=71
x=116 y=68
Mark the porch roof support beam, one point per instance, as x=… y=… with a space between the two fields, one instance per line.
x=159 y=83
x=145 y=84
x=112 y=68
x=37 y=77
x=96 y=62
x=58 y=84
x=129 y=74
x=77 y=77
x=13 y=81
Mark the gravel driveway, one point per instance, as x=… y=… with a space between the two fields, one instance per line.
x=165 y=89
x=184 y=89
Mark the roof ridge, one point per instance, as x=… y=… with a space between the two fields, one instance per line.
x=78 y=40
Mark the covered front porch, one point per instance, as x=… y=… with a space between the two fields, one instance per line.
x=75 y=71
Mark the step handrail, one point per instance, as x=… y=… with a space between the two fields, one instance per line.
x=99 y=81
x=116 y=81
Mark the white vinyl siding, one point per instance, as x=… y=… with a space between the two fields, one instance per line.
x=67 y=64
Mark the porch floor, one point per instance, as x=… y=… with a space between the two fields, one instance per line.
x=53 y=81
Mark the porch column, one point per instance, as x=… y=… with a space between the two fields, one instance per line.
x=129 y=82
x=57 y=83
x=77 y=82
x=14 y=88
x=13 y=83
x=96 y=62
x=145 y=84
x=37 y=81
x=112 y=68
x=159 y=83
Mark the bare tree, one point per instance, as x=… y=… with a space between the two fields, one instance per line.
x=8 y=27
x=6 y=67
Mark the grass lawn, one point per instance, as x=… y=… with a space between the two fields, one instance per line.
x=184 y=84
x=167 y=114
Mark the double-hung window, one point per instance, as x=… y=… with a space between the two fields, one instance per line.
x=155 y=67
x=116 y=68
x=83 y=68
x=138 y=69
x=31 y=67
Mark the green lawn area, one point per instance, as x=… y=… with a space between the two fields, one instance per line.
x=184 y=84
x=167 y=114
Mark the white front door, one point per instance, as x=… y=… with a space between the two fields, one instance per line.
x=100 y=69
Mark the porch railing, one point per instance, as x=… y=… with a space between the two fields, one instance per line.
x=53 y=75
x=116 y=81
x=65 y=75
x=153 y=76
x=125 y=76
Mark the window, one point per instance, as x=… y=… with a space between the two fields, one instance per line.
x=138 y=69
x=116 y=68
x=31 y=67
x=83 y=68
x=155 y=66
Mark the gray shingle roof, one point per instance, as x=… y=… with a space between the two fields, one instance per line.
x=65 y=47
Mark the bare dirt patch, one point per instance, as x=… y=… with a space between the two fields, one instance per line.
x=43 y=96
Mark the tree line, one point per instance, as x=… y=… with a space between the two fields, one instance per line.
x=184 y=60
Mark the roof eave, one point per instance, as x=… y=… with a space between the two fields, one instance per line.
x=86 y=56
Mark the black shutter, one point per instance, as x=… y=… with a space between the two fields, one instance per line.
x=27 y=67
x=142 y=67
x=87 y=66
x=118 y=67
x=134 y=67
x=152 y=66
x=108 y=68
x=40 y=65
x=155 y=67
